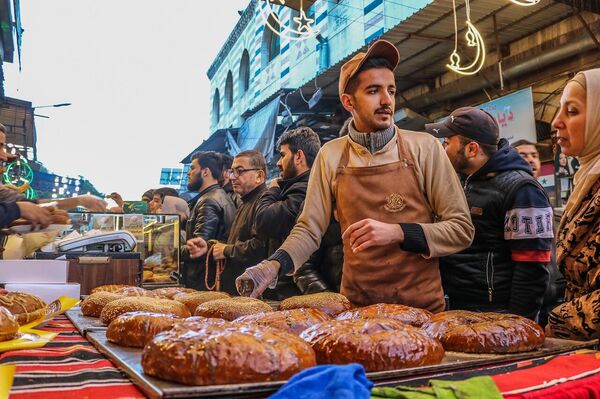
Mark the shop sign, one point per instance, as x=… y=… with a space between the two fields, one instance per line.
x=514 y=114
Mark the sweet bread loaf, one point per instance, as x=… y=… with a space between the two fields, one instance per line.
x=109 y=288
x=135 y=291
x=25 y=307
x=137 y=328
x=405 y=314
x=473 y=332
x=142 y=304
x=93 y=304
x=192 y=300
x=331 y=303
x=293 y=321
x=231 y=308
x=9 y=327
x=377 y=344
x=170 y=292
x=225 y=354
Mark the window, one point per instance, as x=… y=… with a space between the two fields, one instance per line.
x=215 y=108
x=228 y=92
x=270 y=44
x=244 y=80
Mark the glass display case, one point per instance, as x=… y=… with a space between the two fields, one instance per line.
x=157 y=238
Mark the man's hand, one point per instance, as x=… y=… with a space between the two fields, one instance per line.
x=36 y=215
x=219 y=251
x=117 y=198
x=274 y=183
x=92 y=203
x=371 y=233
x=256 y=279
x=196 y=247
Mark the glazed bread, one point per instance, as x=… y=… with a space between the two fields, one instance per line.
x=170 y=292
x=142 y=304
x=225 y=354
x=192 y=300
x=231 y=308
x=93 y=304
x=135 y=291
x=109 y=288
x=331 y=303
x=405 y=314
x=293 y=321
x=137 y=328
x=472 y=332
x=25 y=307
x=9 y=327
x=377 y=344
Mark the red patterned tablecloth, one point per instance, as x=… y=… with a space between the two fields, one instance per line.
x=68 y=367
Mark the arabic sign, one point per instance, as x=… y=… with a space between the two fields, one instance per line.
x=514 y=114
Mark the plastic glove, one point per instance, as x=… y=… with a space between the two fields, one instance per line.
x=256 y=279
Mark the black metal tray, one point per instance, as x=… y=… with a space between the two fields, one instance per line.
x=129 y=360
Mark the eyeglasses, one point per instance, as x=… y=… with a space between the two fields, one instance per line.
x=239 y=171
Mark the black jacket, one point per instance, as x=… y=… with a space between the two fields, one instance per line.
x=245 y=247
x=505 y=268
x=210 y=219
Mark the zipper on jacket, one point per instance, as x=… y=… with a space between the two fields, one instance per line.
x=490 y=279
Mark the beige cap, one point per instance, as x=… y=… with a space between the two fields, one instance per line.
x=379 y=49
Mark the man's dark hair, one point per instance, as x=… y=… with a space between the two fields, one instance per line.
x=302 y=138
x=523 y=142
x=148 y=193
x=488 y=149
x=166 y=192
x=226 y=161
x=211 y=160
x=368 y=64
x=257 y=160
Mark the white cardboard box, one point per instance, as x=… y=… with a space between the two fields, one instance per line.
x=34 y=271
x=48 y=292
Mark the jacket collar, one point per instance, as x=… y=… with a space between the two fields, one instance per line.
x=302 y=177
x=254 y=193
x=209 y=189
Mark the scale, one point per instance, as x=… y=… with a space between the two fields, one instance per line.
x=114 y=241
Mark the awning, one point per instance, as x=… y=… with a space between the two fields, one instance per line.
x=258 y=131
x=216 y=142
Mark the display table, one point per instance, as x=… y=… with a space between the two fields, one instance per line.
x=70 y=367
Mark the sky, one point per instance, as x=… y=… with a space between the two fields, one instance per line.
x=135 y=73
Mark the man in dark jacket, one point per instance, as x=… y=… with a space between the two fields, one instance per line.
x=279 y=206
x=225 y=181
x=244 y=247
x=505 y=269
x=211 y=216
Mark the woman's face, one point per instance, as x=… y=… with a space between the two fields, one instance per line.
x=570 y=120
x=562 y=159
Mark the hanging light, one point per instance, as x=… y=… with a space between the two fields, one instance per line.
x=303 y=25
x=474 y=39
x=525 y=3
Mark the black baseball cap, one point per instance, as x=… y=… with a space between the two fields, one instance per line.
x=471 y=122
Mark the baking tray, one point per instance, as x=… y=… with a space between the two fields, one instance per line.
x=82 y=323
x=129 y=360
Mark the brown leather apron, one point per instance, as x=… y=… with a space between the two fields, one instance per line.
x=388 y=193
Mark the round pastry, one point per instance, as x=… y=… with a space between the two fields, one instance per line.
x=25 y=307
x=192 y=300
x=135 y=291
x=9 y=327
x=473 y=332
x=405 y=314
x=377 y=344
x=137 y=328
x=142 y=304
x=293 y=321
x=231 y=308
x=331 y=303
x=93 y=304
x=170 y=292
x=109 y=288
x=225 y=354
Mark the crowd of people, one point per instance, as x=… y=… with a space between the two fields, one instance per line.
x=453 y=219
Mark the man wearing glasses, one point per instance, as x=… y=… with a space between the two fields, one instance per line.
x=243 y=247
x=504 y=270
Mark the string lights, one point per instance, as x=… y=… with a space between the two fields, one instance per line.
x=474 y=39
x=303 y=25
x=525 y=3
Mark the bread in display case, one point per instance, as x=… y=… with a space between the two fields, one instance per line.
x=157 y=237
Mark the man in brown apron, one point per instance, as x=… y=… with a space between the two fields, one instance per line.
x=398 y=200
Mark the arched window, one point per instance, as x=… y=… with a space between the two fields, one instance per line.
x=228 y=91
x=216 y=113
x=244 y=80
x=270 y=43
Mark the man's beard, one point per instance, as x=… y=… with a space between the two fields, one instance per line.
x=194 y=185
x=290 y=171
x=460 y=162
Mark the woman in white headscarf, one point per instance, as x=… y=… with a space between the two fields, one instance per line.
x=578 y=240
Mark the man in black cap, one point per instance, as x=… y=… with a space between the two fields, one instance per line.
x=504 y=270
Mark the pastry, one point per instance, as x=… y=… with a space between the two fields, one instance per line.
x=405 y=314
x=329 y=302
x=138 y=304
x=192 y=300
x=93 y=304
x=293 y=321
x=231 y=308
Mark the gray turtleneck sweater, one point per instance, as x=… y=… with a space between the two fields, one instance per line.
x=372 y=141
